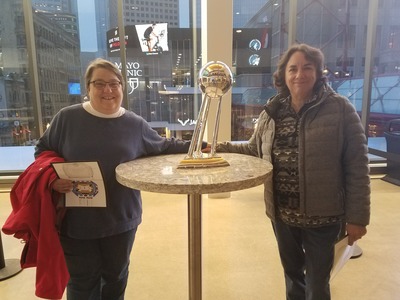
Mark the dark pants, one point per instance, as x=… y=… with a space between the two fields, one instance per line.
x=98 y=267
x=307 y=258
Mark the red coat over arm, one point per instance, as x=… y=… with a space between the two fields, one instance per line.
x=33 y=219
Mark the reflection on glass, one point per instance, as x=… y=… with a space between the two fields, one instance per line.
x=339 y=29
x=16 y=117
x=161 y=86
x=255 y=45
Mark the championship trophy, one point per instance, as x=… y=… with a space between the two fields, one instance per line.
x=215 y=79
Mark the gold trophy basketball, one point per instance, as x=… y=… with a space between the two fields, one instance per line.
x=215 y=79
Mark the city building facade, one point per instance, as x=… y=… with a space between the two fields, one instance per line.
x=45 y=47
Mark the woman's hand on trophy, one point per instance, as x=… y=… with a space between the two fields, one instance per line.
x=207 y=149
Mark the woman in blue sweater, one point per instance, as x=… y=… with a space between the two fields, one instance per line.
x=97 y=241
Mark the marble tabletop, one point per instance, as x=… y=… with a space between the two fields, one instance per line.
x=160 y=174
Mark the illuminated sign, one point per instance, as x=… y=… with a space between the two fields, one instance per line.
x=153 y=38
x=187 y=122
x=113 y=41
x=133 y=71
x=144 y=39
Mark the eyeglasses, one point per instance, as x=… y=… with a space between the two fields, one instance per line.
x=100 y=85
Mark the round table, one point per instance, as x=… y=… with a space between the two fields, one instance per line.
x=160 y=174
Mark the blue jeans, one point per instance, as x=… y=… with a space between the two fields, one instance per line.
x=307 y=258
x=99 y=267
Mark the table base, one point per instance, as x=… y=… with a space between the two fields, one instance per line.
x=195 y=247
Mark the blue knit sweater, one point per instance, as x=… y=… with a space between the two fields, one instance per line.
x=77 y=135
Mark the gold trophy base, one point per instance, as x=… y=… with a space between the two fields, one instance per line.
x=206 y=162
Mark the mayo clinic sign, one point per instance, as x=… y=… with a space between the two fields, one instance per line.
x=133 y=72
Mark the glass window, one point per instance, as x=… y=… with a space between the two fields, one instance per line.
x=41 y=72
x=17 y=124
x=254 y=41
x=345 y=64
x=385 y=98
x=65 y=39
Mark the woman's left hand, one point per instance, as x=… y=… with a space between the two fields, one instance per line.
x=355 y=232
x=207 y=149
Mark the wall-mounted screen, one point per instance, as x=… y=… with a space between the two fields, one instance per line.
x=74 y=88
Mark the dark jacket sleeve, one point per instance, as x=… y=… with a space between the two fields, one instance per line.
x=356 y=169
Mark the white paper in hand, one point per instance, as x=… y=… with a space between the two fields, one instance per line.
x=343 y=253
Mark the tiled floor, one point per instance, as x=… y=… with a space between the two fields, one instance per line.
x=240 y=259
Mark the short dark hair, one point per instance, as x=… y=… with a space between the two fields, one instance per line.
x=312 y=54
